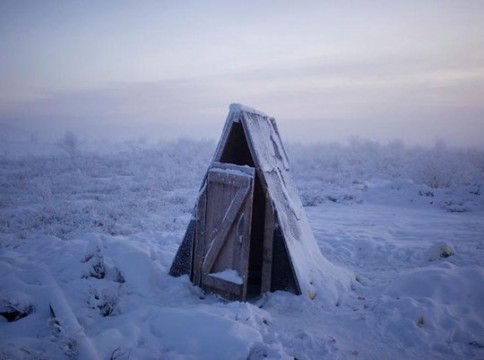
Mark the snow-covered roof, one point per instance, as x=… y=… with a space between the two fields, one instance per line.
x=316 y=276
x=235 y=107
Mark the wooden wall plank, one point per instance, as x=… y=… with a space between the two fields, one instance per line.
x=183 y=261
x=267 y=246
x=199 y=246
x=220 y=284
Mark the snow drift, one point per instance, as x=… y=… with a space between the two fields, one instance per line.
x=105 y=221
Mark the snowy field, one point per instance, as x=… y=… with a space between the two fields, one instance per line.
x=90 y=231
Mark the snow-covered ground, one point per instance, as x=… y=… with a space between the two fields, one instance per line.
x=88 y=233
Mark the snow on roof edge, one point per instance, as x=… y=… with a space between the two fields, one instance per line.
x=235 y=107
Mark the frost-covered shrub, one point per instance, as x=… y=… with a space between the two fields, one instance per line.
x=98 y=267
x=362 y=160
x=105 y=301
x=95 y=261
x=118 y=192
x=70 y=142
x=441 y=167
x=127 y=188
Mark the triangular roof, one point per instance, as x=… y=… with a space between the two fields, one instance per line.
x=314 y=273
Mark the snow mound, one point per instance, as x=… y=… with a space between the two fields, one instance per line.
x=428 y=307
x=440 y=250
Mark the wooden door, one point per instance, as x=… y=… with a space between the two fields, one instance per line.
x=222 y=246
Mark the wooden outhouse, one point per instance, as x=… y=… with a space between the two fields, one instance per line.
x=249 y=233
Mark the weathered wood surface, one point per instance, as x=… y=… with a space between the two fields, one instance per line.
x=182 y=263
x=291 y=258
x=199 y=246
x=223 y=228
x=226 y=289
x=267 y=246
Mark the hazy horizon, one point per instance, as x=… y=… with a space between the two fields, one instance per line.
x=412 y=71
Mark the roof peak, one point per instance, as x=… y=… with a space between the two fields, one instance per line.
x=235 y=107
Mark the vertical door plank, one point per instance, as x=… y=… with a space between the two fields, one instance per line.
x=227 y=224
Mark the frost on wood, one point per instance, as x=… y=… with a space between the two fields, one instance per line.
x=315 y=274
x=283 y=251
x=229 y=275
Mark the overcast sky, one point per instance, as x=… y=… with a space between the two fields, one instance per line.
x=412 y=70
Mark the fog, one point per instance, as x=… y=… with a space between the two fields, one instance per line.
x=180 y=109
x=412 y=71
